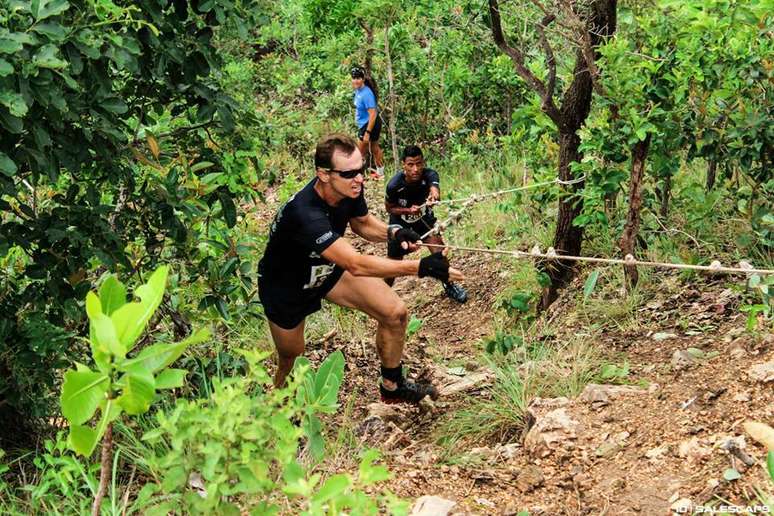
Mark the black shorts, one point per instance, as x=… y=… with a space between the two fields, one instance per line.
x=422 y=226
x=375 y=132
x=287 y=309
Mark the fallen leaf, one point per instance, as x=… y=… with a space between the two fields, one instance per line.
x=731 y=474
x=761 y=432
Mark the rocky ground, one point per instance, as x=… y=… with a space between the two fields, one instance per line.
x=669 y=440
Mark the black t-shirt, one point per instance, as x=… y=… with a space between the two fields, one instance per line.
x=303 y=228
x=405 y=195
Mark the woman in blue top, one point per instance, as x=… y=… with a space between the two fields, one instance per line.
x=367 y=118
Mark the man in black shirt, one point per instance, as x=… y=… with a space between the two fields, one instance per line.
x=307 y=259
x=410 y=194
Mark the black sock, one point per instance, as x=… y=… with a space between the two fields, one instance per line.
x=393 y=374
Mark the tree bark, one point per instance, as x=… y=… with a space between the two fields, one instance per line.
x=600 y=23
x=632 y=226
x=104 y=469
x=390 y=81
x=666 y=195
x=575 y=108
x=369 y=33
x=711 y=173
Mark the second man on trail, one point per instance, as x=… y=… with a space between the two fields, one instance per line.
x=410 y=195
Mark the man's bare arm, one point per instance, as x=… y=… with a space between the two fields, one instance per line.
x=345 y=256
x=394 y=209
x=370 y=228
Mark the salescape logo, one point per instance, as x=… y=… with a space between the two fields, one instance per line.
x=724 y=509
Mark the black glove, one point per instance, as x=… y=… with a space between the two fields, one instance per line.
x=435 y=265
x=405 y=235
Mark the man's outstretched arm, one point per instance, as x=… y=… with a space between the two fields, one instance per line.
x=345 y=256
x=369 y=227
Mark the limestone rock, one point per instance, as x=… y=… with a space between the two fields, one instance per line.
x=529 y=478
x=432 y=506
x=763 y=372
x=556 y=429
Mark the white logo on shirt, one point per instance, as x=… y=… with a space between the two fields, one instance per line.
x=324 y=237
x=318 y=275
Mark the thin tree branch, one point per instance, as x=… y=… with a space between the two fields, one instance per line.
x=548 y=105
x=550 y=61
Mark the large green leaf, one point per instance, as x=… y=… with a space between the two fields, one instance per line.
x=137 y=393
x=42 y=9
x=171 y=378
x=328 y=378
x=83 y=439
x=6 y=68
x=13 y=42
x=48 y=57
x=114 y=105
x=112 y=295
x=14 y=102
x=157 y=357
x=130 y=320
x=102 y=330
x=81 y=393
x=334 y=486
x=53 y=31
x=7 y=166
x=591 y=282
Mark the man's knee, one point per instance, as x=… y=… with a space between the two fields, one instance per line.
x=396 y=316
x=289 y=350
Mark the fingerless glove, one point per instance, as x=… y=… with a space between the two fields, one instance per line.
x=435 y=265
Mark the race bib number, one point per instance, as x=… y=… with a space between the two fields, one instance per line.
x=412 y=218
x=319 y=274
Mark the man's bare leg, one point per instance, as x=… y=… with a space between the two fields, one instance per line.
x=289 y=344
x=375 y=298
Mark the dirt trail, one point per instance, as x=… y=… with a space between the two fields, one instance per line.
x=635 y=453
x=638 y=452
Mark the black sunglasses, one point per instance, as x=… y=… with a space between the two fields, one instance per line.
x=349 y=174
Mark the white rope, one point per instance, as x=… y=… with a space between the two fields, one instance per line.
x=454 y=217
x=481 y=197
x=744 y=266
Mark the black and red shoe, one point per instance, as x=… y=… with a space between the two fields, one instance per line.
x=408 y=392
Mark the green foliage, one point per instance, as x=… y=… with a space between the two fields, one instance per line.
x=318 y=395
x=120 y=384
x=761 y=311
x=90 y=96
x=414 y=325
x=614 y=373
x=64 y=483
x=519 y=302
x=591 y=282
x=502 y=343
x=243 y=441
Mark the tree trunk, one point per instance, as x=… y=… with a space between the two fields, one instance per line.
x=632 y=227
x=711 y=171
x=666 y=195
x=104 y=469
x=567 y=237
x=575 y=107
x=390 y=81
x=369 y=33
